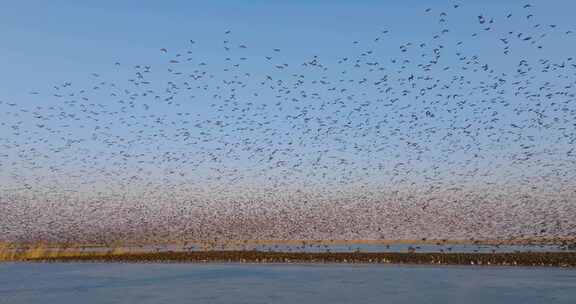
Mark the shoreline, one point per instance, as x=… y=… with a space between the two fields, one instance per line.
x=533 y=259
x=489 y=242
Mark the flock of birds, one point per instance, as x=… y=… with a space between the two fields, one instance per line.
x=434 y=141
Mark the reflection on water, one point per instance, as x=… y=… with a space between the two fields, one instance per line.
x=234 y=283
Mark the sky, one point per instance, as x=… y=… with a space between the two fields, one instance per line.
x=43 y=42
x=46 y=44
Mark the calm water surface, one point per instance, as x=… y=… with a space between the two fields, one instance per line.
x=236 y=283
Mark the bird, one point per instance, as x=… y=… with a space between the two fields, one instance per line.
x=461 y=131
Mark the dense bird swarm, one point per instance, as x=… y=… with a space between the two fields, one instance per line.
x=432 y=142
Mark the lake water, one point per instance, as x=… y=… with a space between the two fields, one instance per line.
x=312 y=247
x=241 y=283
x=463 y=248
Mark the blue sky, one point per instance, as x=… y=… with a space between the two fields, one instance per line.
x=49 y=43
x=44 y=41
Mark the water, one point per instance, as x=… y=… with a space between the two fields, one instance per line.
x=236 y=283
x=314 y=247
x=461 y=248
